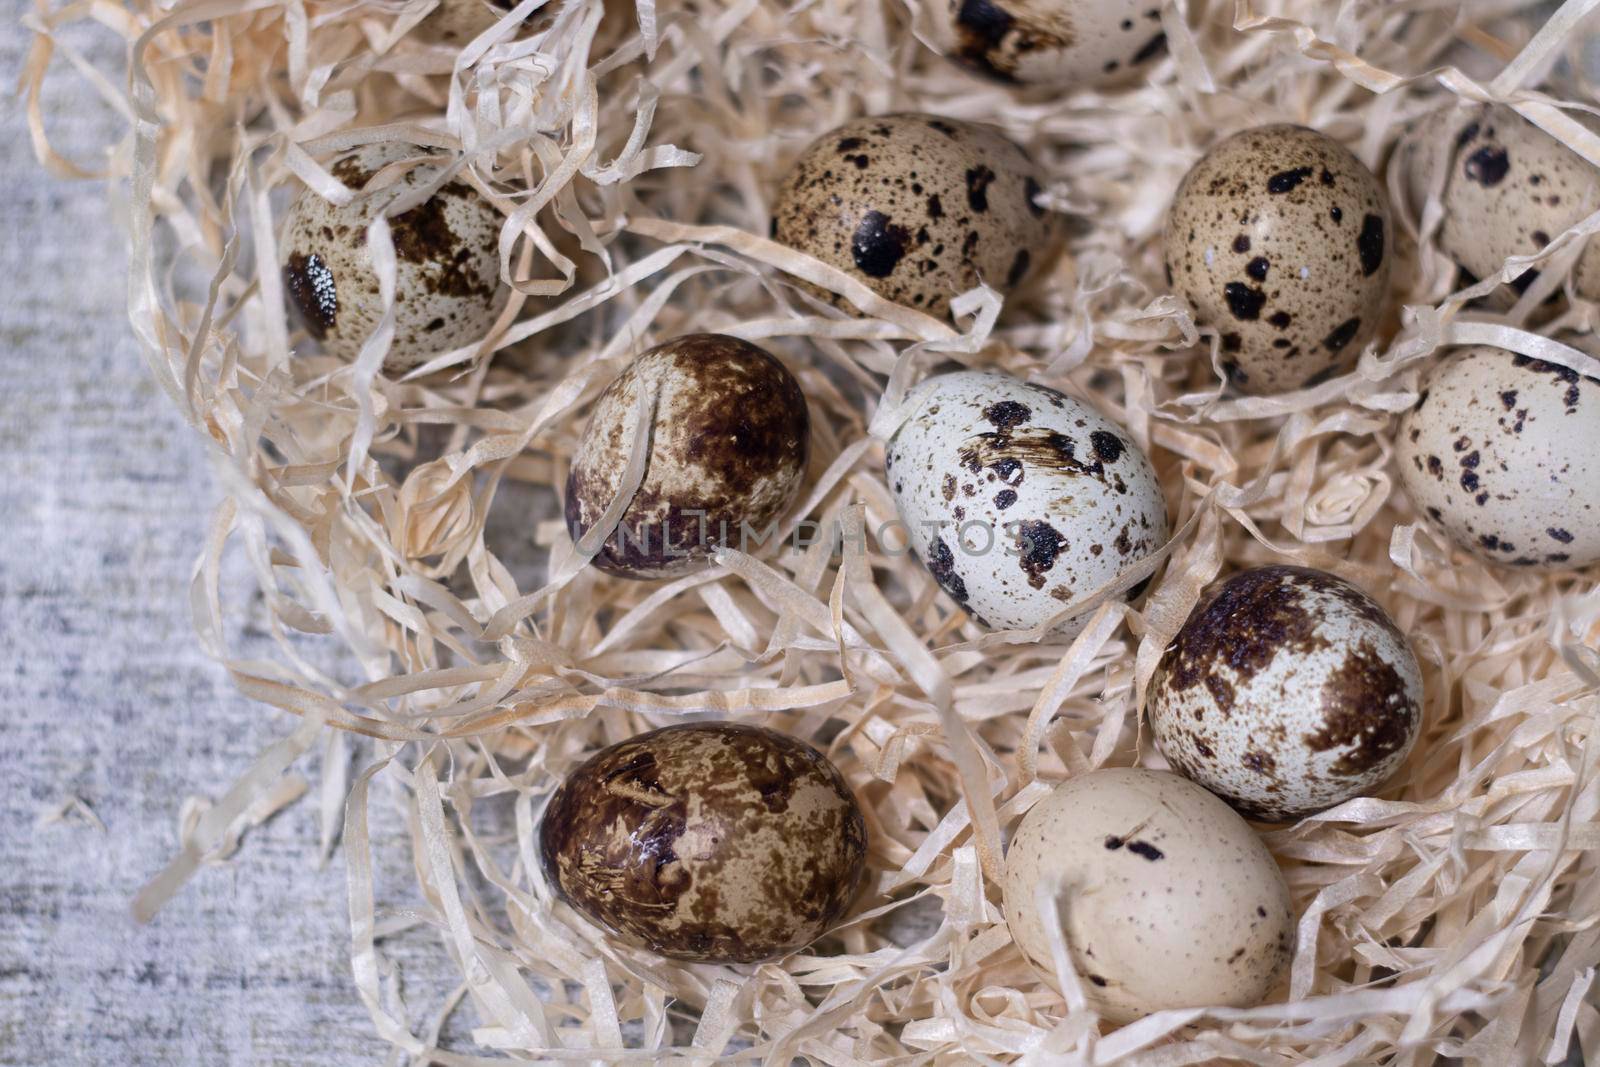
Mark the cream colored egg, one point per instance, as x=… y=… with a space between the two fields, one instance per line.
x=1019 y=498
x=1279 y=239
x=1287 y=691
x=919 y=208
x=447 y=267
x=1165 y=898
x=1509 y=188
x=1061 y=43
x=1500 y=452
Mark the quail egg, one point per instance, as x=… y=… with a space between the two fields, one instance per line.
x=1279 y=240
x=1165 y=898
x=707 y=842
x=1019 y=498
x=1061 y=43
x=917 y=207
x=1499 y=452
x=1287 y=691
x=447 y=266
x=1509 y=189
x=728 y=450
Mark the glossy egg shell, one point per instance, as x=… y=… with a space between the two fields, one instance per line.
x=917 y=207
x=710 y=842
x=1167 y=898
x=1509 y=189
x=727 y=455
x=447 y=268
x=1061 y=43
x=1500 y=453
x=1019 y=498
x=1287 y=691
x=1279 y=239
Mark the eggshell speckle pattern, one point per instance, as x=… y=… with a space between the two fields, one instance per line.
x=1167 y=898
x=447 y=269
x=1280 y=240
x=1509 y=189
x=1019 y=498
x=1287 y=691
x=728 y=448
x=1500 y=453
x=1062 y=43
x=708 y=842
x=917 y=207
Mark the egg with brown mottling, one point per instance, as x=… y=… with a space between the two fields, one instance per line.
x=1019 y=498
x=726 y=455
x=1163 y=897
x=707 y=842
x=447 y=267
x=1508 y=189
x=919 y=208
x=1500 y=452
x=1287 y=691
x=1279 y=239
x=1060 y=43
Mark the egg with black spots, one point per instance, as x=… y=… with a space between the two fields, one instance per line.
x=707 y=842
x=1287 y=691
x=1508 y=189
x=918 y=208
x=447 y=267
x=1163 y=896
x=726 y=455
x=1019 y=498
x=1060 y=43
x=1279 y=239
x=1499 y=454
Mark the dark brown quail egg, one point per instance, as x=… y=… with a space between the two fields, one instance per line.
x=709 y=842
x=1061 y=43
x=1019 y=498
x=447 y=276
x=1287 y=691
x=1509 y=188
x=727 y=454
x=1500 y=453
x=1279 y=240
x=919 y=208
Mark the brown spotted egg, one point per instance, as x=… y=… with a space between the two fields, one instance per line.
x=1509 y=188
x=1287 y=691
x=1500 y=453
x=1279 y=240
x=1061 y=43
x=1019 y=498
x=447 y=267
x=919 y=208
x=1164 y=898
x=727 y=454
x=709 y=842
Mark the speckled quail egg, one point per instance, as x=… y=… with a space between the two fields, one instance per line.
x=1509 y=188
x=919 y=208
x=1287 y=691
x=1500 y=453
x=709 y=842
x=727 y=455
x=1019 y=498
x=1165 y=897
x=447 y=267
x=1062 y=43
x=1278 y=239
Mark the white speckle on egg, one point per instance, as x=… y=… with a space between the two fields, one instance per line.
x=1499 y=452
x=1066 y=499
x=1287 y=691
x=1166 y=898
x=1062 y=43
